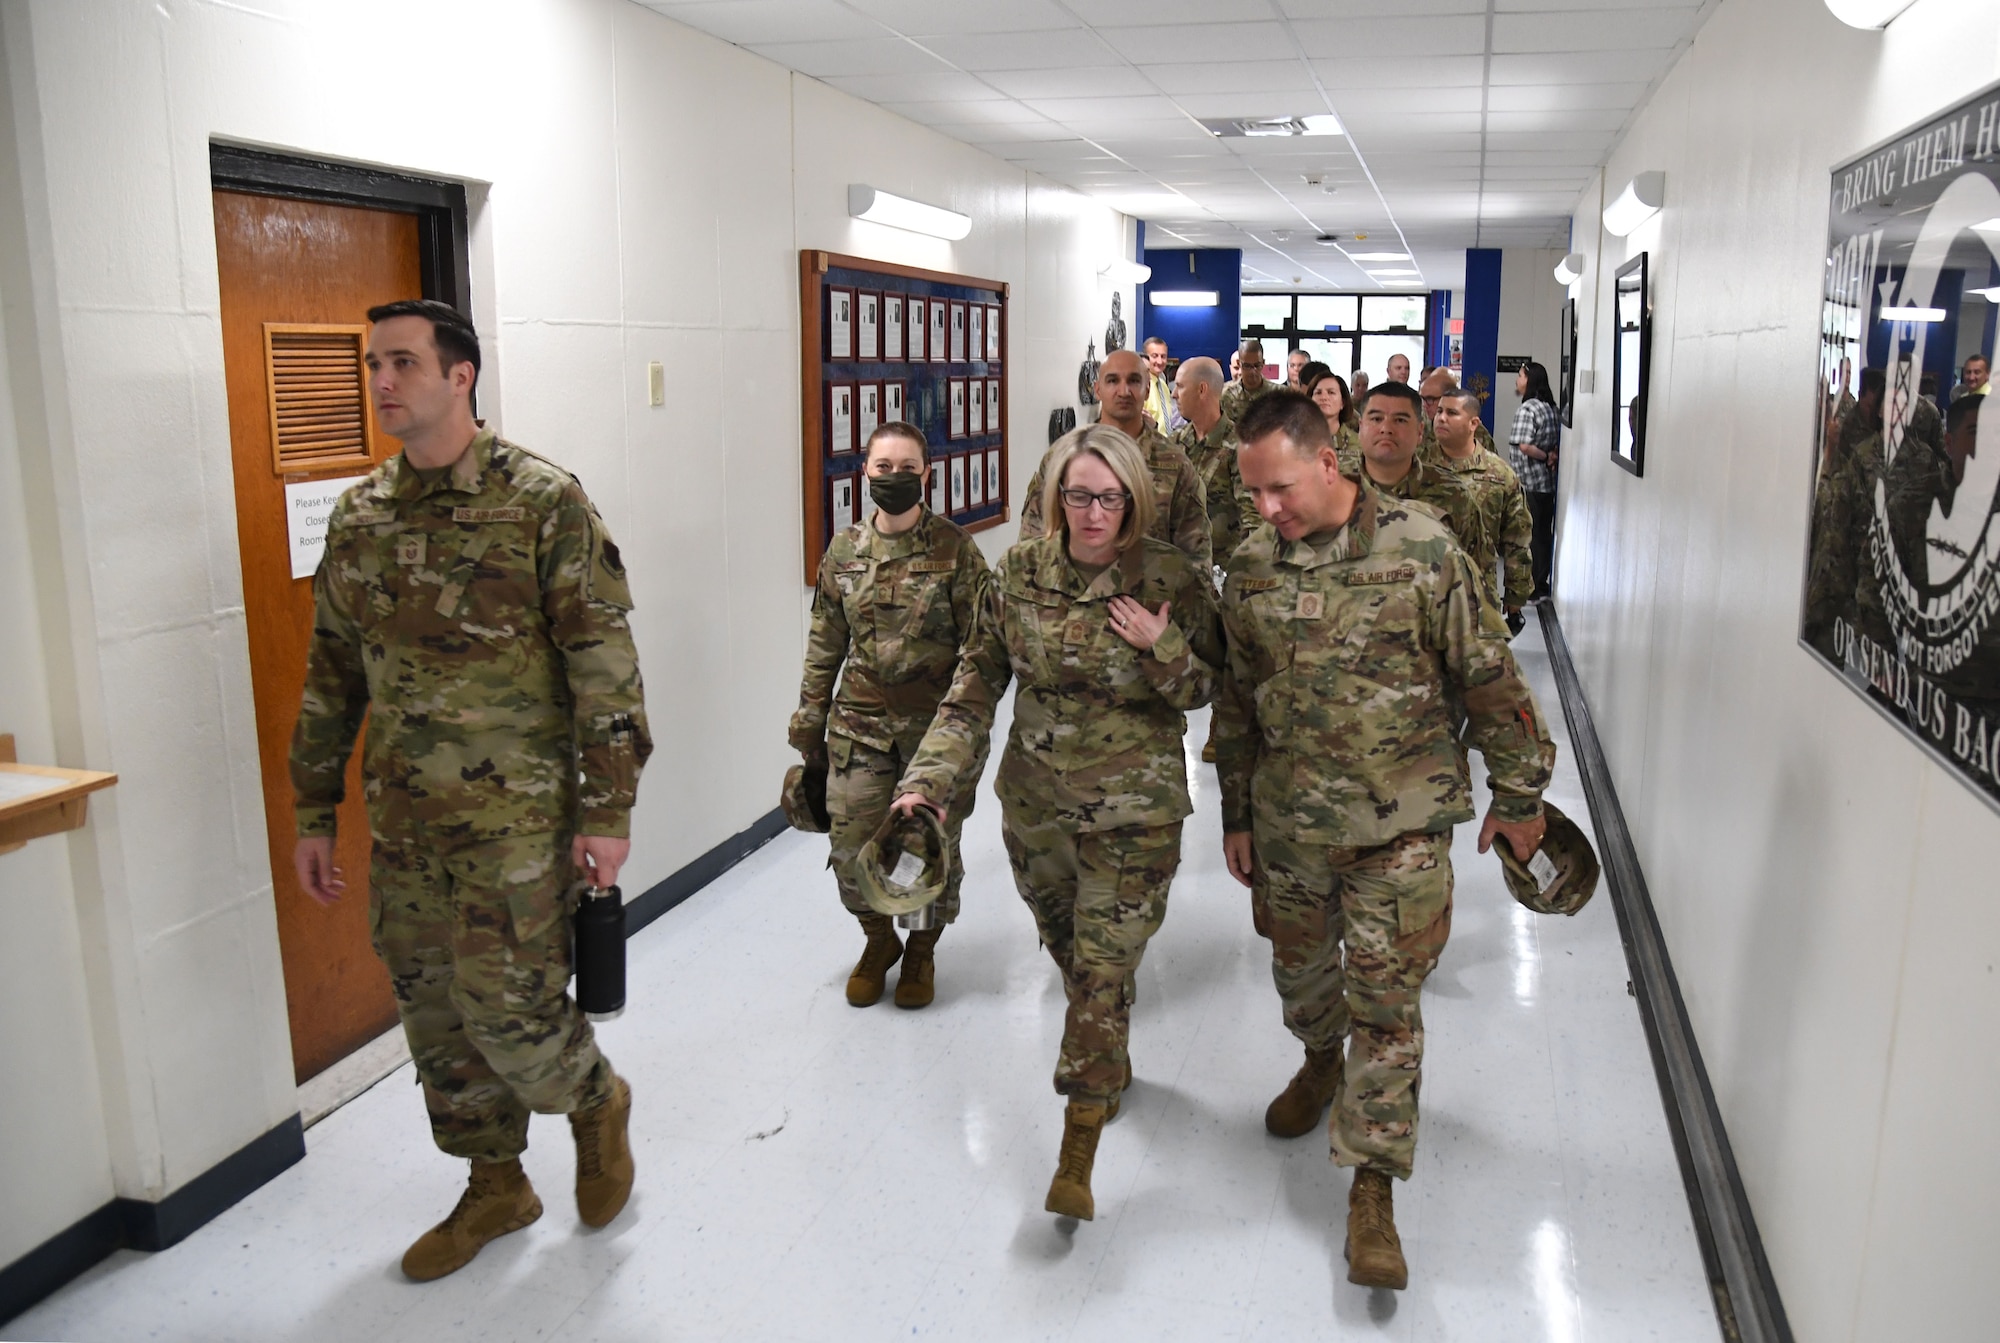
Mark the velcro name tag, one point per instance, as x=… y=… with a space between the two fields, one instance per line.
x=932 y=566
x=513 y=513
x=373 y=517
x=1402 y=573
x=1246 y=586
x=1312 y=606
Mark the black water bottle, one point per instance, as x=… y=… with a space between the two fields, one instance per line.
x=600 y=953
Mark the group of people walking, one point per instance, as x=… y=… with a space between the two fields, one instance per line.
x=1329 y=576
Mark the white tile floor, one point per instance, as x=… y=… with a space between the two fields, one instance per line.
x=809 y=1171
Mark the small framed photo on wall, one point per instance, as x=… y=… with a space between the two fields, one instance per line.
x=839 y=418
x=993 y=405
x=975 y=340
x=892 y=327
x=869 y=397
x=957 y=332
x=916 y=323
x=992 y=333
x=955 y=420
x=940 y=478
x=993 y=474
x=868 y=325
x=939 y=353
x=975 y=411
x=844 y=514
x=840 y=323
x=975 y=481
x=958 y=484
x=892 y=402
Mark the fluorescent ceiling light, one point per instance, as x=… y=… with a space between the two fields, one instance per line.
x=1867 y=13
x=879 y=207
x=1570 y=269
x=1912 y=314
x=1991 y=294
x=1323 y=124
x=1122 y=271
x=1639 y=202
x=1379 y=274
x=1378 y=256
x=1182 y=298
x=1988 y=225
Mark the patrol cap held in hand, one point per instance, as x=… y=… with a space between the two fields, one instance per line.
x=804 y=799
x=1561 y=876
x=903 y=868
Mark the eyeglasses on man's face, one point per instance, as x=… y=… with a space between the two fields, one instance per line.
x=1111 y=501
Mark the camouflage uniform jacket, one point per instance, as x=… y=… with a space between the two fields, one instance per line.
x=1334 y=723
x=1492 y=521
x=1178 y=516
x=1096 y=741
x=1236 y=398
x=1231 y=514
x=893 y=610
x=479 y=621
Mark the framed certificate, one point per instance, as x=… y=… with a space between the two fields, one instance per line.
x=869 y=414
x=975 y=410
x=892 y=402
x=939 y=478
x=975 y=340
x=992 y=333
x=955 y=417
x=867 y=325
x=840 y=323
x=863 y=497
x=975 y=480
x=993 y=474
x=839 y=418
x=993 y=405
x=958 y=484
x=843 y=501
x=939 y=353
x=957 y=332
x=916 y=324
x=892 y=328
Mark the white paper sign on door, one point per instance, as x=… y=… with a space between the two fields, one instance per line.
x=308 y=504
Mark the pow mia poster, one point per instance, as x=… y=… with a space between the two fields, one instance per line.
x=1902 y=594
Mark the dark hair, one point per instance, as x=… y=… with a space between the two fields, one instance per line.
x=1538 y=384
x=451 y=330
x=1873 y=380
x=1308 y=380
x=1975 y=355
x=1401 y=391
x=1963 y=409
x=1466 y=396
x=1927 y=385
x=1312 y=370
x=898 y=429
x=1288 y=412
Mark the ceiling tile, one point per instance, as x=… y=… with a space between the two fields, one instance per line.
x=1160 y=44
x=748 y=21
x=1355 y=103
x=1352 y=9
x=1399 y=39
x=1149 y=108
x=1358 y=72
x=1137 y=13
x=929 y=86
x=1547 y=97
x=1290 y=75
x=1581 y=67
x=1243 y=106
x=1377 y=125
x=1041 y=50
x=874 y=56
x=927 y=17
x=1593 y=30
x=1096 y=81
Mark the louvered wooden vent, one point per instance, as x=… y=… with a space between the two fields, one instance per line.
x=319 y=396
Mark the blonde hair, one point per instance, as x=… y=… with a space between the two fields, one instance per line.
x=1127 y=460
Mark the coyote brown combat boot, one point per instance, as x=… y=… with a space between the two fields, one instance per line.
x=1300 y=1106
x=1069 y=1192
x=603 y=1156
x=917 y=985
x=1374 y=1250
x=864 y=986
x=497 y=1199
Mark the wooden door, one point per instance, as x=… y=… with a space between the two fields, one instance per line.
x=298 y=278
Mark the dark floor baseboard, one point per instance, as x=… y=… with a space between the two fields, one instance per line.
x=137 y=1224
x=1746 y=1296
x=664 y=895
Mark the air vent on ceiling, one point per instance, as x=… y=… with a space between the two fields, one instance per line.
x=1318 y=124
x=319 y=396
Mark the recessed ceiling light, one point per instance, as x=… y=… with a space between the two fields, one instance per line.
x=1379 y=256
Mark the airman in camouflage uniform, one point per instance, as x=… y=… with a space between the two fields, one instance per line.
x=1178 y=516
x=1248 y=385
x=1493 y=525
x=1843 y=501
x=891 y=609
x=1109 y=654
x=475 y=613
x=1354 y=626
x=1209 y=440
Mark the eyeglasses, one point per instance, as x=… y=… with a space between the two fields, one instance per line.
x=1111 y=501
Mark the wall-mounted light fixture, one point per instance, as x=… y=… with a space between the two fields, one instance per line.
x=1867 y=13
x=1912 y=314
x=1570 y=269
x=1639 y=202
x=879 y=207
x=1182 y=298
x=1122 y=272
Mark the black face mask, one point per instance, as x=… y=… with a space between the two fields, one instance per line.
x=896 y=493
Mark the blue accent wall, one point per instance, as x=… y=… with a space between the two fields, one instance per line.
x=1437 y=328
x=1192 y=331
x=1482 y=323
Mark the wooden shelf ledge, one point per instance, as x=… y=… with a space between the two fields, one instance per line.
x=38 y=800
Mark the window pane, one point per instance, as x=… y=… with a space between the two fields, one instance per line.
x=1375 y=352
x=1266 y=310
x=1337 y=355
x=1322 y=312
x=1386 y=312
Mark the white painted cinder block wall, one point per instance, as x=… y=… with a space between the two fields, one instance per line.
x=639 y=192
x=1828 y=894
x=1531 y=302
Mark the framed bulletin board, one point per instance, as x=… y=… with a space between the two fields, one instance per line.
x=883 y=342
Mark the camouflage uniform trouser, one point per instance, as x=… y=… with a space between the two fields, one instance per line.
x=860 y=785
x=477 y=941
x=1391 y=905
x=1098 y=898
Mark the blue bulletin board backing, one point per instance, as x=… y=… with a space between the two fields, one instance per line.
x=864 y=364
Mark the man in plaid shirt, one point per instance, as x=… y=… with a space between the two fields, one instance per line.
x=1532 y=451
